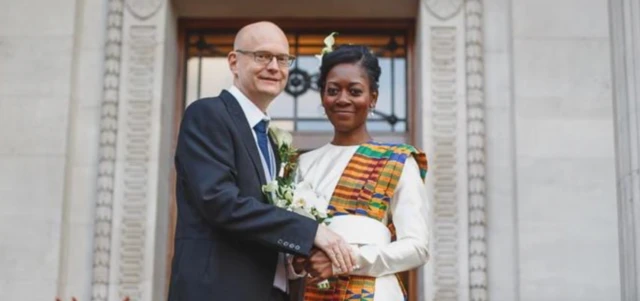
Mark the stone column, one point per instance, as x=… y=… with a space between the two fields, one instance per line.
x=625 y=49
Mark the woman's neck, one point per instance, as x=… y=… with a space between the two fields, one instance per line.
x=351 y=138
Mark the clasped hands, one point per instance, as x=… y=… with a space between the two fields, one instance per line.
x=318 y=266
x=332 y=255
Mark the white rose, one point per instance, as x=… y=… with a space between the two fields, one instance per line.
x=282 y=137
x=299 y=202
x=270 y=187
x=304 y=191
x=281 y=203
x=285 y=139
x=303 y=212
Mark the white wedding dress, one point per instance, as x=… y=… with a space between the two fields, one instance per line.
x=377 y=256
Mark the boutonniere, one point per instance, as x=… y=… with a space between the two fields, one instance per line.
x=287 y=153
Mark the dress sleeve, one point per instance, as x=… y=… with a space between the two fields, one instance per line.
x=409 y=212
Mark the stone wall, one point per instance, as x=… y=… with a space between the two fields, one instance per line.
x=50 y=66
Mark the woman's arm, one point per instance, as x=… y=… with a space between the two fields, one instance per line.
x=409 y=212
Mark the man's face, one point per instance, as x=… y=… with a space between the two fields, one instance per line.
x=261 y=67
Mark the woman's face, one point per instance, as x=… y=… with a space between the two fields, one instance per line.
x=347 y=97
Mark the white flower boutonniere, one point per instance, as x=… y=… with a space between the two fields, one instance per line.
x=286 y=151
x=282 y=137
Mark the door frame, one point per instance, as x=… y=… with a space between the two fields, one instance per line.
x=328 y=24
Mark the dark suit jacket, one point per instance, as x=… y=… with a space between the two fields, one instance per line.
x=227 y=235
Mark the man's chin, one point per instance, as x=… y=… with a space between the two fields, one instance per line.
x=271 y=91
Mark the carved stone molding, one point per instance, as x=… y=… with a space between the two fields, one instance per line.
x=137 y=132
x=107 y=155
x=144 y=9
x=122 y=234
x=443 y=9
x=476 y=152
x=445 y=129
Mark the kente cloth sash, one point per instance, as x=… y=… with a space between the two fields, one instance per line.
x=361 y=199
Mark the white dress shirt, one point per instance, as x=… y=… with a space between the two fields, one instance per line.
x=254 y=115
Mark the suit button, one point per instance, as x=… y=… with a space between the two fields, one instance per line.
x=292 y=246
x=297 y=247
x=286 y=243
x=279 y=241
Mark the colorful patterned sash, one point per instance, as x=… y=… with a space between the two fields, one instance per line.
x=366 y=188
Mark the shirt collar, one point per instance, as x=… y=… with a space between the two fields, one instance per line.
x=251 y=111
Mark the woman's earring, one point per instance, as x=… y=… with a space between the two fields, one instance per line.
x=321 y=111
x=371 y=113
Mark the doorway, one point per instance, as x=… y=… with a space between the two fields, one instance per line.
x=203 y=72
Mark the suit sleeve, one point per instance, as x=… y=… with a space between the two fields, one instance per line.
x=205 y=158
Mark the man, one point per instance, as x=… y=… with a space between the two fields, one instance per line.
x=229 y=242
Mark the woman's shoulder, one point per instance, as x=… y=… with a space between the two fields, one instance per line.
x=407 y=153
x=310 y=153
x=399 y=148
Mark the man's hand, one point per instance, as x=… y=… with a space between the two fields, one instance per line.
x=336 y=248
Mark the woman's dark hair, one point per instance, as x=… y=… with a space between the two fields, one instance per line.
x=350 y=54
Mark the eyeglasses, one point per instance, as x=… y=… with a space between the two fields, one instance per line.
x=264 y=57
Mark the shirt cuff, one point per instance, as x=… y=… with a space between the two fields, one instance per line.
x=292 y=275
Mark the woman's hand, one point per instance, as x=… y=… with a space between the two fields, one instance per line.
x=319 y=266
x=298 y=263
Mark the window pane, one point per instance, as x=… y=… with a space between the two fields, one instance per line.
x=298 y=106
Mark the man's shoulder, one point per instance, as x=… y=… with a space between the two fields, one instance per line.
x=214 y=102
x=207 y=107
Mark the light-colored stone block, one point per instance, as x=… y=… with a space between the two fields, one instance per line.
x=31 y=186
x=572 y=69
x=498 y=80
x=497 y=29
x=37 y=18
x=86 y=127
x=29 y=248
x=587 y=108
x=30 y=289
x=569 y=138
x=76 y=261
x=560 y=18
x=502 y=206
x=33 y=125
x=93 y=30
x=89 y=83
x=567 y=229
x=82 y=192
x=35 y=66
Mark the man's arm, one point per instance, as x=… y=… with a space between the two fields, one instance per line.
x=205 y=157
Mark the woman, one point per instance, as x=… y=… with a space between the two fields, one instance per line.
x=375 y=191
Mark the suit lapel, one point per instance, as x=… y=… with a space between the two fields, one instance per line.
x=246 y=134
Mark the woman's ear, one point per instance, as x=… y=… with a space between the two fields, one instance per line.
x=374 y=99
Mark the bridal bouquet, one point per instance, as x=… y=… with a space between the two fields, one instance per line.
x=285 y=193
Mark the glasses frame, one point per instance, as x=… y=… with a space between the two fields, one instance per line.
x=291 y=59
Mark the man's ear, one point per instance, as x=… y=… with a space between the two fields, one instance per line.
x=232 y=59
